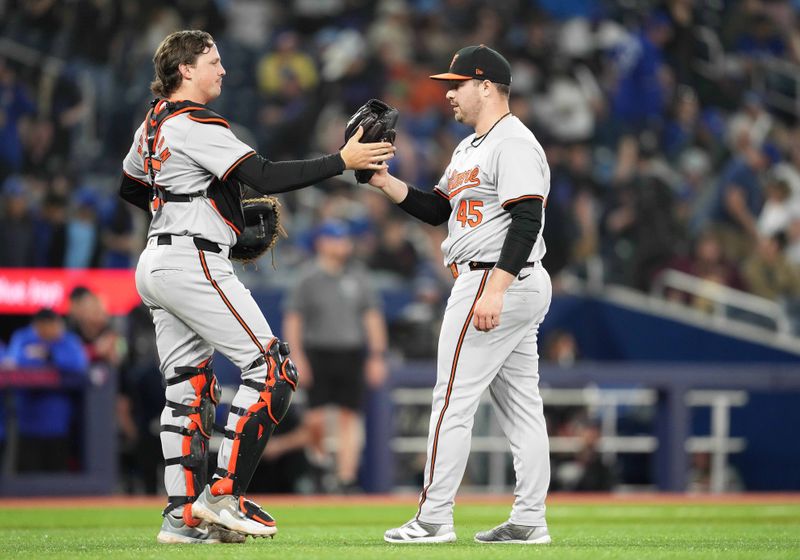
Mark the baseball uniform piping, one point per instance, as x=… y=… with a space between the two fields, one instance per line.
x=524 y=197
x=253 y=337
x=137 y=180
x=440 y=193
x=210 y=120
x=449 y=391
x=224 y=219
x=237 y=162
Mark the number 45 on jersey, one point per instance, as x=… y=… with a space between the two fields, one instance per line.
x=469 y=213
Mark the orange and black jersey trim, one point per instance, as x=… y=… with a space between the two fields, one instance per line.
x=513 y=201
x=236 y=163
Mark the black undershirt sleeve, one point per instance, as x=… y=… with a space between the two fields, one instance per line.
x=272 y=177
x=526 y=221
x=135 y=192
x=431 y=208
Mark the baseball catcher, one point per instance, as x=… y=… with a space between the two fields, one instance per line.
x=185 y=167
x=378 y=120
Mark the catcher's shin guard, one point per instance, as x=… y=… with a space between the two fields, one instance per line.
x=196 y=435
x=257 y=422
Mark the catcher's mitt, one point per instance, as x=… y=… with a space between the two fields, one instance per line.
x=262 y=218
x=378 y=120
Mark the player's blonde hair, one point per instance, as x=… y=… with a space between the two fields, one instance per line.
x=180 y=47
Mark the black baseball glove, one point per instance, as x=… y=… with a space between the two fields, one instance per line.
x=378 y=120
x=262 y=218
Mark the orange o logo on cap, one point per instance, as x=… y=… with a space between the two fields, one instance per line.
x=455 y=56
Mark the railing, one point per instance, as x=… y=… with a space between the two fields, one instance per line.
x=723 y=298
x=720 y=386
x=605 y=404
x=711 y=64
x=777 y=80
x=719 y=445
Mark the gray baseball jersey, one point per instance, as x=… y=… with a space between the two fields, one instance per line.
x=191 y=154
x=486 y=174
x=483 y=177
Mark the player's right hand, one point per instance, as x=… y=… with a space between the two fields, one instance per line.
x=393 y=188
x=380 y=179
x=366 y=156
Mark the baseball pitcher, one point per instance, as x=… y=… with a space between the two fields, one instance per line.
x=185 y=167
x=492 y=196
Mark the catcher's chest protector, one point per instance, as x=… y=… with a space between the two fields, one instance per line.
x=225 y=195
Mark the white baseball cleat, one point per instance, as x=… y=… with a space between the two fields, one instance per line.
x=234 y=513
x=509 y=533
x=419 y=532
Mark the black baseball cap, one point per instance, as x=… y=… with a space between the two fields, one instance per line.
x=45 y=314
x=478 y=62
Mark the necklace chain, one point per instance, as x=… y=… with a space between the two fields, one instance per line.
x=480 y=139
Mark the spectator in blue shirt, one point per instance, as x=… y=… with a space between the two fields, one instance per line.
x=640 y=98
x=16 y=105
x=738 y=198
x=761 y=39
x=44 y=418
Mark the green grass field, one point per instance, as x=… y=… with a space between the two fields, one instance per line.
x=597 y=531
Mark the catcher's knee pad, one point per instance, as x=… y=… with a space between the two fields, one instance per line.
x=257 y=423
x=281 y=380
x=196 y=435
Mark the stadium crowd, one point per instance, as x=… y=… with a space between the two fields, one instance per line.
x=670 y=127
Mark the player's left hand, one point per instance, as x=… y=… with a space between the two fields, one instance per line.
x=487 y=311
